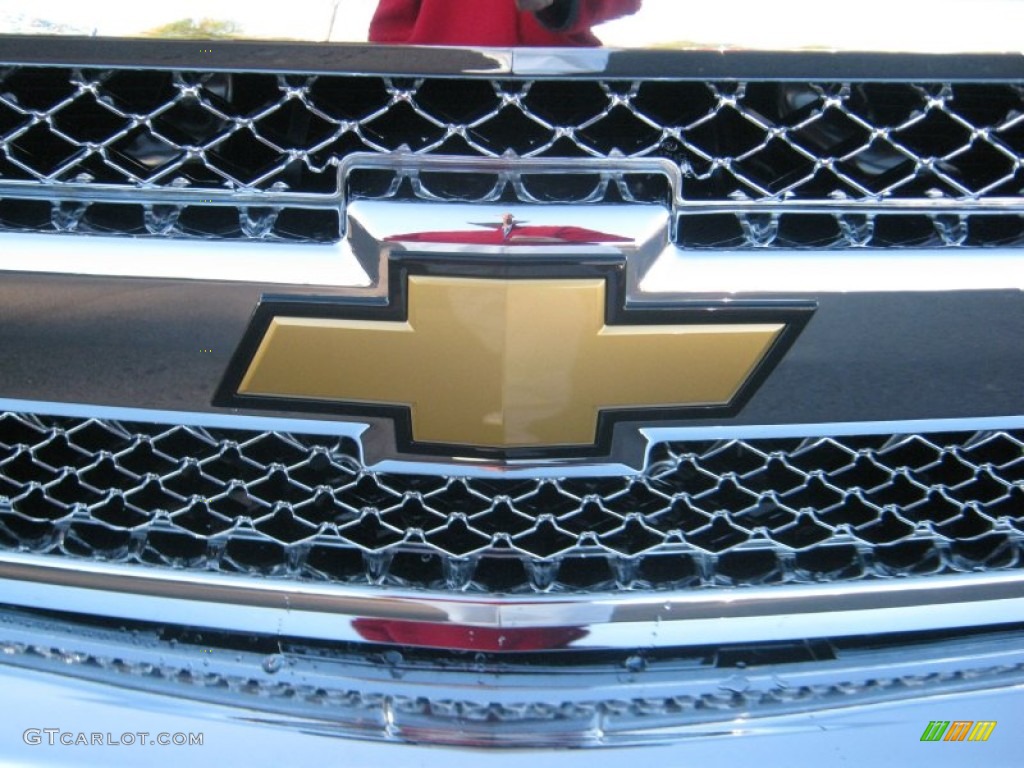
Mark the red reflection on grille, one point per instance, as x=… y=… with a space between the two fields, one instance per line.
x=461 y=638
x=512 y=232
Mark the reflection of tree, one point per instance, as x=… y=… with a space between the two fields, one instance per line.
x=192 y=29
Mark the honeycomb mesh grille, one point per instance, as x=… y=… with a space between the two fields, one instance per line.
x=788 y=143
x=714 y=513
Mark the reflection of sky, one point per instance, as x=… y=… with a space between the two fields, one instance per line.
x=940 y=25
x=307 y=19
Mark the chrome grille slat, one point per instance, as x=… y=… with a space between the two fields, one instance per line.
x=703 y=514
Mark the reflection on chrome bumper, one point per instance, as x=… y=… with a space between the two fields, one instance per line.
x=435 y=620
x=524 y=701
x=887 y=734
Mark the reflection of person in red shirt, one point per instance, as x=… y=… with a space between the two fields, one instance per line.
x=513 y=232
x=494 y=22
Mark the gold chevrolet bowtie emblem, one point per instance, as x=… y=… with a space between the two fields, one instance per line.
x=527 y=363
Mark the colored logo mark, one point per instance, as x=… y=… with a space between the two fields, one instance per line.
x=958 y=730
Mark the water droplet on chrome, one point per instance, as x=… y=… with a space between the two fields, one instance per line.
x=635 y=663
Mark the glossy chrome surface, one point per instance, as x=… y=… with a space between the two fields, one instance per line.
x=292 y=57
x=622 y=621
x=808 y=272
x=888 y=732
x=608 y=700
x=279 y=264
x=355 y=262
x=511 y=170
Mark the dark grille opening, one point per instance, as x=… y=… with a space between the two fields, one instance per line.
x=993 y=551
x=835 y=563
x=753 y=567
x=500 y=574
x=586 y=573
x=313 y=225
x=668 y=570
x=336 y=563
x=254 y=555
x=179 y=550
x=419 y=569
x=17 y=531
x=90 y=539
x=910 y=558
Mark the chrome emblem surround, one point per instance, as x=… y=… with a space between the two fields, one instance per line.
x=495 y=239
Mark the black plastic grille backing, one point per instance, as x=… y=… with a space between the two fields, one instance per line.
x=734 y=142
x=715 y=513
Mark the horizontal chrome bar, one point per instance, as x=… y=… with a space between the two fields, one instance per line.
x=512 y=164
x=313 y=264
x=309 y=58
x=577 y=702
x=404 y=160
x=509 y=166
x=665 y=270
x=854 y=270
x=676 y=271
x=619 y=620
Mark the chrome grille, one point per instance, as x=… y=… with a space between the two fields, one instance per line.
x=702 y=514
x=764 y=164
